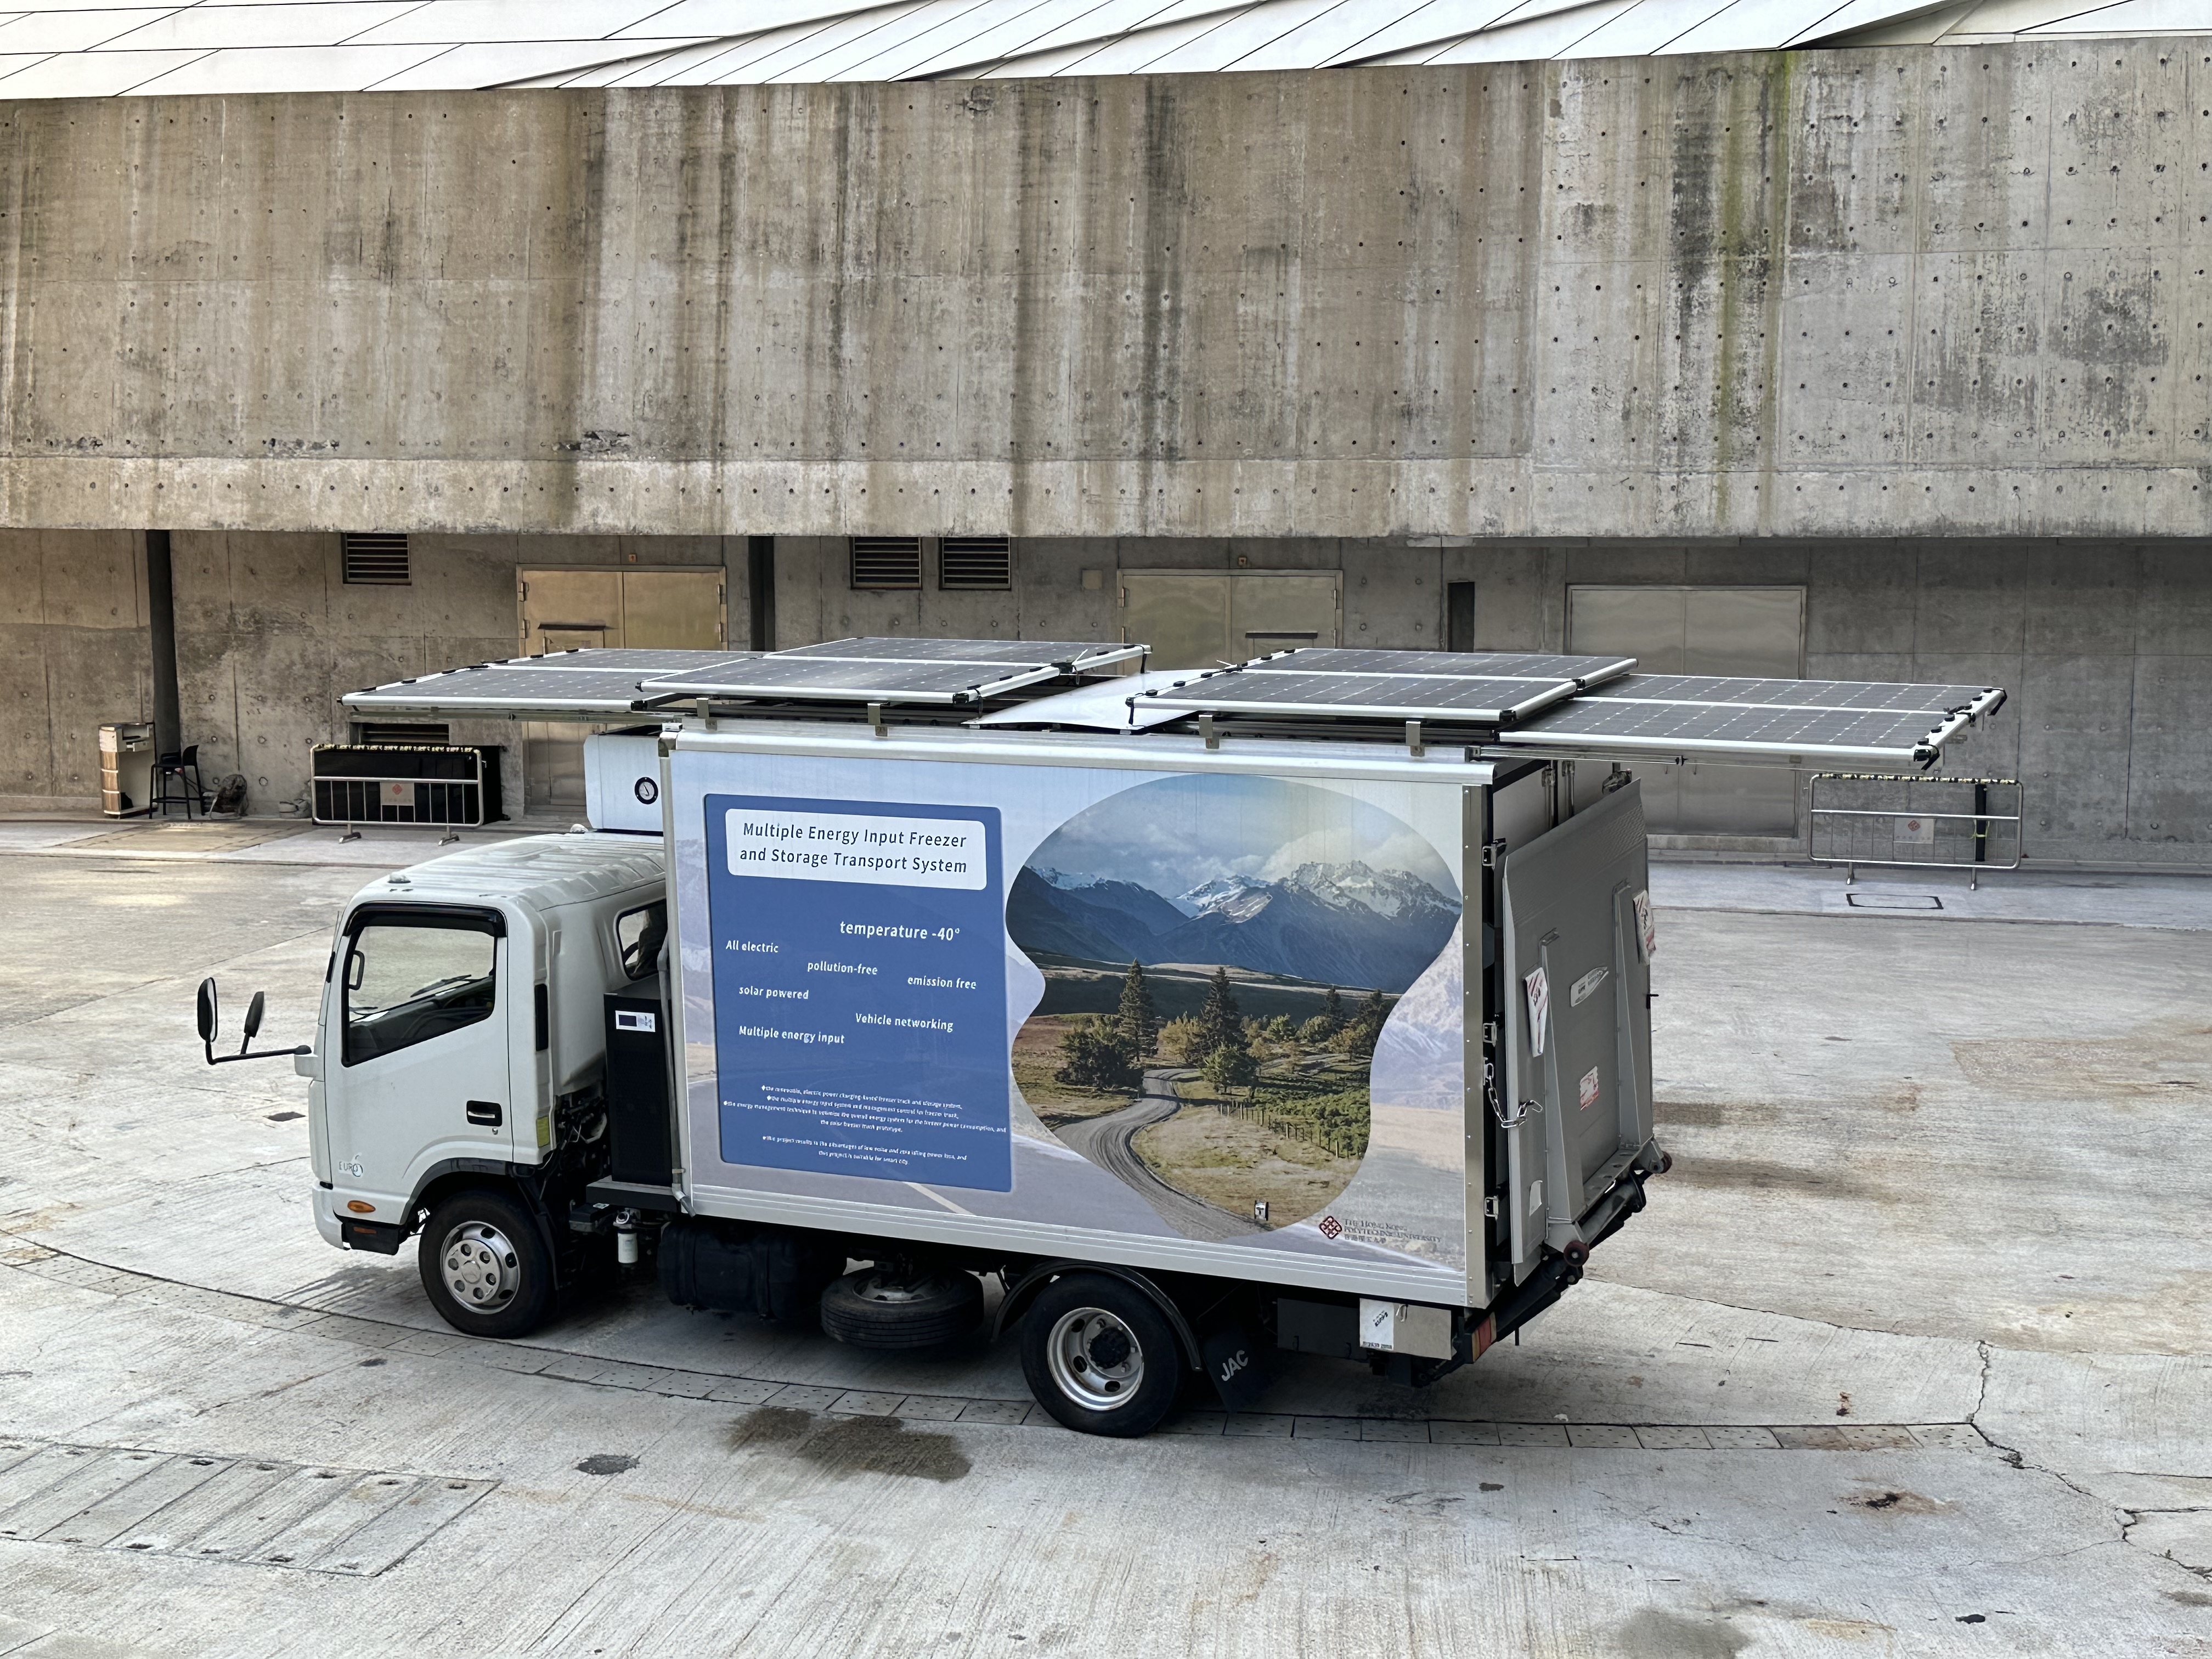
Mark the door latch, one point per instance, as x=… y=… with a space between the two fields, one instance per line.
x=488 y=1113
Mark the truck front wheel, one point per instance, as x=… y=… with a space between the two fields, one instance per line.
x=1100 y=1356
x=485 y=1267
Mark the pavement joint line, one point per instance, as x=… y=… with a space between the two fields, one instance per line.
x=593 y=1371
x=325 y=1518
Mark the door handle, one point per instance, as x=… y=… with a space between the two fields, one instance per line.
x=486 y=1112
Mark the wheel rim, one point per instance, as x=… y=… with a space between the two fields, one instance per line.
x=479 y=1267
x=897 y=1292
x=1096 y=1359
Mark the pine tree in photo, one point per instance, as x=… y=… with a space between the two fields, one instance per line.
x=1139 y=1019
x=1220 y=1023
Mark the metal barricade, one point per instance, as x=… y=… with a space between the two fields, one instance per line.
x=452 y=787
x=1913 y=821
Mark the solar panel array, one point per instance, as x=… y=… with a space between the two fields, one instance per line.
x=623 y=680
x=1597 y=705
x=1537 y=701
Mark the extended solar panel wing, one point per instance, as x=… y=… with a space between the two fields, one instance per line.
x=1791 y=722
x=585 y=685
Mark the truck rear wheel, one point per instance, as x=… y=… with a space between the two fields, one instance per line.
x=879 y=1309
x=1100 y=1356
x=485 y=1267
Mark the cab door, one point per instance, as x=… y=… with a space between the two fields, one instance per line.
x=420 y=1072
x=1578 y=975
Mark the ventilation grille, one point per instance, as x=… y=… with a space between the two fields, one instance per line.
x=973 y=564
x=375 y=558
x=889 y=564
x=407 y=733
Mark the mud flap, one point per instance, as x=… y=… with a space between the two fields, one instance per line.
x=1239 y=1367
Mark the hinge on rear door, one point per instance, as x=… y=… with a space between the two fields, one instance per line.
x=1493 y=854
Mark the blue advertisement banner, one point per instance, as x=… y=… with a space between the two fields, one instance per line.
x=859 y=988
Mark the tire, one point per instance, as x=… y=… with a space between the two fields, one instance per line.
x=874 y=1309
x=484 y=1265
x=1101 y=1356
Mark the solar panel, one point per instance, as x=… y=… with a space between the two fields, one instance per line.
x=838 y=679
x=1686 y=715
x=1466 y=664
x=1373 y=697
x=1032 y=653
x=501 y=688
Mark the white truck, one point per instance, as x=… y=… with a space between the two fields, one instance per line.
x=1302 y=1004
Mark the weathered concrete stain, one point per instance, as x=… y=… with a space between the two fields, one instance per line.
x=1548 y=299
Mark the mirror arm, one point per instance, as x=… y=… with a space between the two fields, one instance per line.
x=215 y=1059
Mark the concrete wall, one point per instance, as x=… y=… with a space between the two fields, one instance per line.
x=73 y=657
x=269 y=637
x=1878 y=294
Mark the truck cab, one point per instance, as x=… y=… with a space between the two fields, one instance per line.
x=458 y=1075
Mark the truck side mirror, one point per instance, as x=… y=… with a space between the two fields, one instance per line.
x=207 y=1011
x=253 y=1017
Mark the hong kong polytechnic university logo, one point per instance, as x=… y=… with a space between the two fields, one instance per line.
x=1330 y=1227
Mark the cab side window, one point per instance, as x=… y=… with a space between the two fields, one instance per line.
x=639 y=935
x=409 y=981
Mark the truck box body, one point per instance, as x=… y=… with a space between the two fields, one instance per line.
x=890 y=948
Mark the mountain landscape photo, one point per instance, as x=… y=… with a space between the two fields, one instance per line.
x=1222 y=957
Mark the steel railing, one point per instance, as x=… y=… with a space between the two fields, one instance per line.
x=1913 y=821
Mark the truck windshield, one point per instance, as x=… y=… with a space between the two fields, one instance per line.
x=408 y=982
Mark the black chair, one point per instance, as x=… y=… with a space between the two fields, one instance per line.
x=184 y=767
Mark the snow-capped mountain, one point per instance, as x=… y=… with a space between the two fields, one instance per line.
x=1391 y=893
x=1211 y=895
x=1337 y=924
x=1067 y=882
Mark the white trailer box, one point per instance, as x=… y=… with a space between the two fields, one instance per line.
x=1300 y=1006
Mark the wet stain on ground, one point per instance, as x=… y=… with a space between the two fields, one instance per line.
x=606 y=1463
x=1653 y=1634
x=853 y=1445
x=1759 y=1174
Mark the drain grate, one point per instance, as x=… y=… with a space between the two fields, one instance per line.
x=313 y=1517
x=1893 y=901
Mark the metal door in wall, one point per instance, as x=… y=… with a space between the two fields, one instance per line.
x=1703 y=631
x=569 y=608
x=1204 y=619
x=1578 y=1053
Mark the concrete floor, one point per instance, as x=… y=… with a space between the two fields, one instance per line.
x=1907 y=1356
